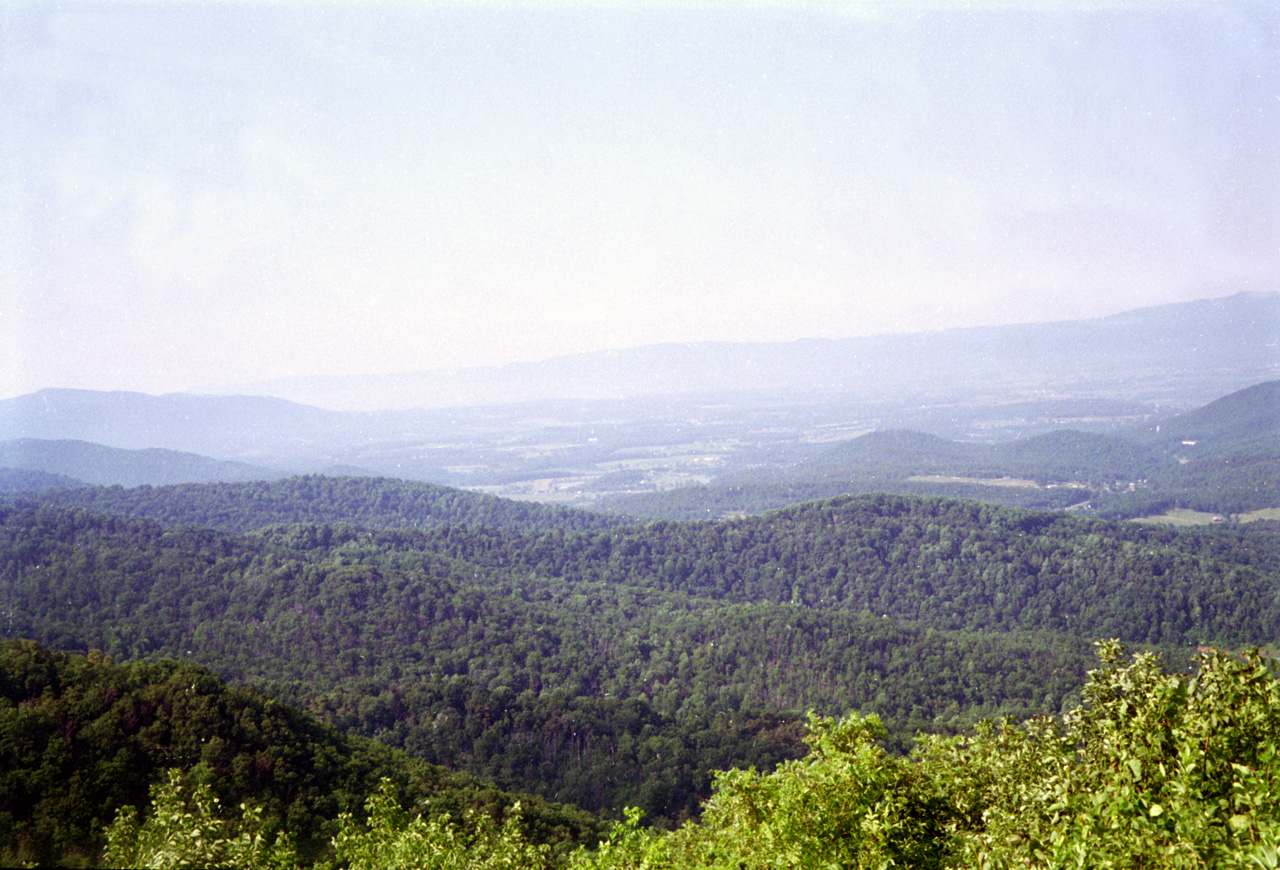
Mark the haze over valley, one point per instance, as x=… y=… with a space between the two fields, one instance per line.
x=593 y=436
x=662 y=418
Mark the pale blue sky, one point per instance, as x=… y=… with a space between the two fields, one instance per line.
x=203 y=193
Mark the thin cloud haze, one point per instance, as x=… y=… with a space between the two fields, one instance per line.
x=206 y=193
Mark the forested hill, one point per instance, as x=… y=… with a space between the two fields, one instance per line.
x=82 y=737
x=946 y=563
x=620 y=666
x=600 y=693
x=949 y=564
x=375 y=503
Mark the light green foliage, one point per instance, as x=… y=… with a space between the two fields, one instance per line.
x=186 y=829
x=846 y=804
x=391 y=839
x=628 y=845
x=1152 y=770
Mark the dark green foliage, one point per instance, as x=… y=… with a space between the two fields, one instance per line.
x=509 y=674
x=81 y=737
x=623 y=666
x=948 y=564
x=365 y=501
x=1224 y=485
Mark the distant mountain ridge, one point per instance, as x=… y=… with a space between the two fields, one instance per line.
x=1209 y=347
x=210 y=425
x=726 y=409
x=28 y=480
x=1248 y=419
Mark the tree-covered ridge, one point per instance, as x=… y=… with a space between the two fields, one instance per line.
x=80 y=737
x=1150 y=770
x=944 y=563
x=740 y=497
x=600 y=693
x=364 y=501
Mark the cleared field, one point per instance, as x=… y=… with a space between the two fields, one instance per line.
x=1183 y=517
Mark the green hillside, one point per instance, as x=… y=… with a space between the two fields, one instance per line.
x=1247 y=421
x=80 y=737
x=364 y=501
x=621 y=666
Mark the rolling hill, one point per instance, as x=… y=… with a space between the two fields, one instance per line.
x=1223 y=457
x=1244 y=422
x=650 y=419
x=374 y=503
x=98 y=464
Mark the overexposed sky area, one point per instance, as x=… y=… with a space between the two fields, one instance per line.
x=198 y=193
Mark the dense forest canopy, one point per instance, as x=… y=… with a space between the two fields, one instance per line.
x=363 y=501
x=1150 y=769
x=595 y=661
x=81 y=737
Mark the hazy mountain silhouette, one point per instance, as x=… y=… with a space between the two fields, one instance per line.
x=1199 y=349
x=98 y=464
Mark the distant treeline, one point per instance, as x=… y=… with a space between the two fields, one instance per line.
x=376 y=503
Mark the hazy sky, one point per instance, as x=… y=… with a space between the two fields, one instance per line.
x=201 y=193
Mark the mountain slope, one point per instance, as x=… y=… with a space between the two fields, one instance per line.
x=82 y=737
x=1223 y=457
x=100 y=465
x=368 y=502
x=1247 y=420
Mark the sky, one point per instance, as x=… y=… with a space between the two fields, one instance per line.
x=198 y=193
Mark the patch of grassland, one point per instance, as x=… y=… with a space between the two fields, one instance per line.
x=1183 y=517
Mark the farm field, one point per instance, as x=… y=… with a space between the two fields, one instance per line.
x=1184 y=517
